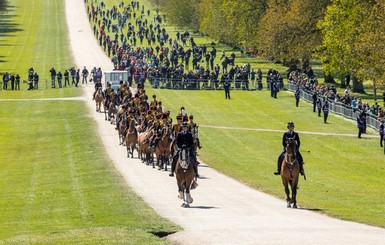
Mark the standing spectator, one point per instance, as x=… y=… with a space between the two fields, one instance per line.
x=53 y=76
x=12 y=79
x=275 y=90
x=226 y=86
x=252 y=78
x=84 y=75
x=59 y=79
x=73 y=75
x=5 y=81
x=315 y=100
x=360 y=125
x=77 y=77
x=325 y=109
x=319 y=106
x=36 y=80
x=66 y=78
x=17 y=82
x=297 y=95
x=364 y=118
x=381 y=129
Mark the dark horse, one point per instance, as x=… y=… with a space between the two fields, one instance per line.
x=162 y=149
x=290 y=172
x=185 y=176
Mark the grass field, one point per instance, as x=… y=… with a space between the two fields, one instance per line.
x=58 y=186
x=344 y=173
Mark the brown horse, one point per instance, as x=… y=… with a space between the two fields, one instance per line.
x=185 y=177
x=290 y=172
x=99 y=98
x=162 y=149
x=144 y=146
x=131 y=139
x=122 y=129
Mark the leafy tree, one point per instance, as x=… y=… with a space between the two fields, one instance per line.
x=3 y=6
x=289 y=32
x=354 y=41
x=182 y=13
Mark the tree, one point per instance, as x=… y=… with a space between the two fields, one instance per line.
x=182 y=13
x=354 y=41
x=289 y=32
x=3 y=6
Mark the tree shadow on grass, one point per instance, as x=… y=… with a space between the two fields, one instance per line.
x=8 y=27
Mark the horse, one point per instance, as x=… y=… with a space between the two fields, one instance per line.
x=144 y=146
x=99 y=98
x=290 y=172
x=110 y=111
x=122 y=128
x=185 y=176
x=131 y=139
x=162 y=149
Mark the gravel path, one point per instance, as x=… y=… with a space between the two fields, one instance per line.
x=224 y=211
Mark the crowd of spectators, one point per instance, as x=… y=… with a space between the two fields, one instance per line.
x=329 y=91
x=135 y=40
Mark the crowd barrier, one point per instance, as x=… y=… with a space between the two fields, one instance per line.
x=337 y=107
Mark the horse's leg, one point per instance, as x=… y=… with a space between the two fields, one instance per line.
x=165 y=159
x=294 y=192
x=287 y=191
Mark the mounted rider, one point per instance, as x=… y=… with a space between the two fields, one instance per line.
x=286 y=136
x=191 y=127
x=185 y=138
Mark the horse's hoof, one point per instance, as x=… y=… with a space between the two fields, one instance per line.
x=288 y=205
x=190 y=200
x=186 y=205
x=294 y=205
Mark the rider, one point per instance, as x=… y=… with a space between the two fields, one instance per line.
x=191 y=126
x=185 y=138
x=295 y=136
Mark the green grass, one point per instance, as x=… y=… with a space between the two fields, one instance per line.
x=36 y=37
x=344 y=173
x=57 y=184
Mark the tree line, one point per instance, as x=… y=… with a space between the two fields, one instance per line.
x=347 y=36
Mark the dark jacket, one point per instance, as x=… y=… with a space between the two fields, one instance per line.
x=288 y=135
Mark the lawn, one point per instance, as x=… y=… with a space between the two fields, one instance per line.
x=57 y=184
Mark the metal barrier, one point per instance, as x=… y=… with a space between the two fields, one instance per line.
x=194 y=84
x=337 y=107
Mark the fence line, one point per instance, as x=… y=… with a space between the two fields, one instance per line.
x=338 y=108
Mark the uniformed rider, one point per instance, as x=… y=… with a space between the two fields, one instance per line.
x=286 y=136
x=185 y=138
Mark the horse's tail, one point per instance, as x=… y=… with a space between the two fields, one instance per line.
x=194 y=185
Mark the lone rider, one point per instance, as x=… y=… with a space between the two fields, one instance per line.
x=286 y=136
x=185 y=138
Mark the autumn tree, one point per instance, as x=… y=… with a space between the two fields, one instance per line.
x=3 y=6
x=288 y=32
x=354 y=41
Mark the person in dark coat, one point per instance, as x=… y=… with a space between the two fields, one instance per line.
x=226 y=86
x=325 y=109
x=297 y=96
x=360 y=125
x=286 y=136
x=185 y=139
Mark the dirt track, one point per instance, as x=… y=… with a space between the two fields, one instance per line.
x=224 y=211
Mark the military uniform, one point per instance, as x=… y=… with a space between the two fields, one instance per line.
x=286 y=136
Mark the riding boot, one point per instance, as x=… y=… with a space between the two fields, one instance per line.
x=301 y=170
x=173 y=164
x=196 y=169
x=278 y=171
x=199 y=144
x=93 y=97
